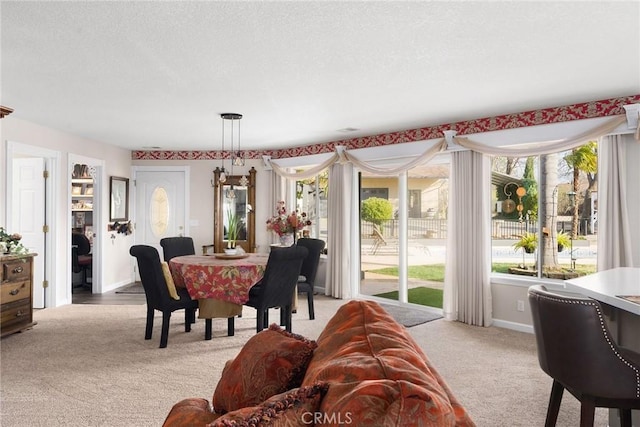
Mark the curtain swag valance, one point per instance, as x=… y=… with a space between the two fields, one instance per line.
x=528 y=149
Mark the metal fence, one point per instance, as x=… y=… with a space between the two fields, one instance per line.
x=428 y=228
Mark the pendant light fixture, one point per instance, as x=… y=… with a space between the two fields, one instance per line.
x=232 y=122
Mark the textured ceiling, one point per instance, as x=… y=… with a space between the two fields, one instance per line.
x=158 y=74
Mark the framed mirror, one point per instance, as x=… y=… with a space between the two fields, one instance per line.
x=241 y=204
x=119 y=201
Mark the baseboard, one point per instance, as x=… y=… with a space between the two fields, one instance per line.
x=114 y=286
x=520 y=327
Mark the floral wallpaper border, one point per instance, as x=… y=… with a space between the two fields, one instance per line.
x=585 y=110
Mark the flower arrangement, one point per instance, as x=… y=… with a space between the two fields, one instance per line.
x=10 y=243
x=287 y=223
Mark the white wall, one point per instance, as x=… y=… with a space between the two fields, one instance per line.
x=117 y=161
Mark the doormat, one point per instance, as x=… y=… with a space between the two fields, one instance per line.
x=133 y=288
x=409 y=317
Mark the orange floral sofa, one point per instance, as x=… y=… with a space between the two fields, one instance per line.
x=363 y=370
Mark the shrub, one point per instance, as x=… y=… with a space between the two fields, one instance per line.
x=376 y=210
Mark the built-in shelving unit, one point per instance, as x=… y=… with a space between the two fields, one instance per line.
x=82 y=204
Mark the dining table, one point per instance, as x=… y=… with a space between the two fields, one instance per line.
x=219 y=282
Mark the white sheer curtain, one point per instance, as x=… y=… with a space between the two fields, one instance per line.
x=276 y=193
x=614 y=233
x=340 y=231
x=467 y=288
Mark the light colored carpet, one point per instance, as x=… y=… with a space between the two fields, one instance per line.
x=88 y=365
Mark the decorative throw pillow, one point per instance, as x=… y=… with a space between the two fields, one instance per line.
x=169 y=279
x=190 y=412
x=271 y=362
x=292 y=408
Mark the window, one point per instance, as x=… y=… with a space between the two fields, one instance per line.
x=311 y=198
x=550 y=199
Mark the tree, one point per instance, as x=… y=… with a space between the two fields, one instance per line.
x=585 y=159
x=549 y=174
x=530 y=200
x=376 y=210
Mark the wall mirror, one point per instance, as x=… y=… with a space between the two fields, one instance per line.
x=241 y=203
x=119 y=199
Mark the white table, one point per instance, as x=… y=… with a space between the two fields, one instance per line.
x=623 y=315
x=606 y=286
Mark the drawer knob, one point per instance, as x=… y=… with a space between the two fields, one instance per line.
x=20 y=313
x=14 y=292
x=18 y=270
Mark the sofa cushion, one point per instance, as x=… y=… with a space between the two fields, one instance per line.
x=271 y=362
x=190 y=412
x=292 y=408
x=377 y=371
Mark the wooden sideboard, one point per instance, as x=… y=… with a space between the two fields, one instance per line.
x=16 y=293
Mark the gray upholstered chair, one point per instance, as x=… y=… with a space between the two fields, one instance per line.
x=576 y=349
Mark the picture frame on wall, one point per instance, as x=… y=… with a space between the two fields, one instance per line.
x=119 y=199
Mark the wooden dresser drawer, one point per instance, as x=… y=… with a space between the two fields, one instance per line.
x=16 y=270
x=14 y=291
x=16 y=313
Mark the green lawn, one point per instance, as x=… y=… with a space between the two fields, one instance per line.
x=423 y=296
x=435 y=272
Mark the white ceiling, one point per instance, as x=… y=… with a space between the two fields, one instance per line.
x=158 y=74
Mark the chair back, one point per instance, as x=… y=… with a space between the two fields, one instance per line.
x=153 y=282
x=575 y=346
x=81 y=242
x=177 y=246
x=75 y=264
x=281 y=276
x=309 y=267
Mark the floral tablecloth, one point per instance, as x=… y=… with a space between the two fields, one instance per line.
x=222 y=279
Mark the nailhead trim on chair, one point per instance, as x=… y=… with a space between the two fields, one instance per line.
x=604 y=332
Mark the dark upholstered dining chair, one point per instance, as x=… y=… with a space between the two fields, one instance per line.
x=576 y=349
x=309 y=269
x=81 y=258
x=177 y=246
x=157 y=294
x=277 y=286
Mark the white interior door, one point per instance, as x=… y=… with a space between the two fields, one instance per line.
x=28 y=216
x=161 y=204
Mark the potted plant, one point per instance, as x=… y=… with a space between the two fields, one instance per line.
x=233 y=229
x=528 y=242
x=563 y=240
x=10 y=243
